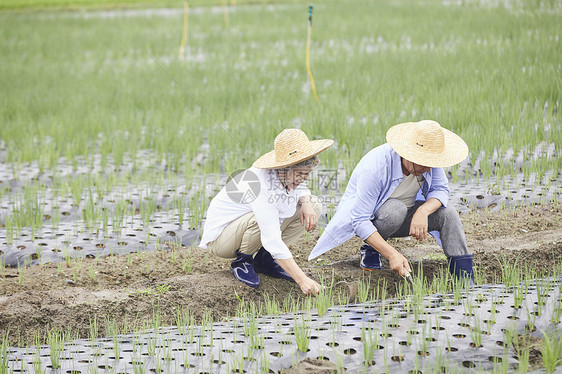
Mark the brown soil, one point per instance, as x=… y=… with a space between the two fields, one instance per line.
x=128 y=289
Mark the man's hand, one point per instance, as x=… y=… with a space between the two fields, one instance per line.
x=308 y=216
x=418 y=226
x=309 y=286
x=399 y=264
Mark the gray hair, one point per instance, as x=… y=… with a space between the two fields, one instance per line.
x=308 y=163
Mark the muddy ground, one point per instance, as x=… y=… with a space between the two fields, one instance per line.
x=130 y=288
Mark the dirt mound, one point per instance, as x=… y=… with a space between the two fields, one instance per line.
x=133 y=289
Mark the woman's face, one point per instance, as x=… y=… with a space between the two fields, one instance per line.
x=294 y=177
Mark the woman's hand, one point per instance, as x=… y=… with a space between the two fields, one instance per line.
x=309 y=287
x=308 y=216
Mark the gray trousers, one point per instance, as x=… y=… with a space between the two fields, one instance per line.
x=393 y=219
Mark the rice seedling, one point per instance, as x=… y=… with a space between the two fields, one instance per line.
x=363 y=289
x=551 y=352
x=272 y=307
x=302 y=332
x=56 y=340
x=324 y=299
x=369 y=338
x=556 y=312
x=4 y=353
x=476 y=333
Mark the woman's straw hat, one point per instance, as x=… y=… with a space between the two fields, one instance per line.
x=426 y=143
x=291 y=146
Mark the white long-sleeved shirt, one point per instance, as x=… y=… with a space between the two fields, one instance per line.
x=258 y=191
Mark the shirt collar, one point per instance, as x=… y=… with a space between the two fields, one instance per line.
x=396 y=166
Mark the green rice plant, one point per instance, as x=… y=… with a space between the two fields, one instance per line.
x=21 y=274
x=542 y=288
x=264 y=364
x=324 y=299
x=118 y=220
x=94 y=331
x=530 y=321
x=369 y=338
x=272 y=307
x=55 y=340
x=522 y=356
x=184 y=320
x=236 y=363
x=302 y=332
x=363 y=289
x=151 y=343
x=92 y=272
x=476 y=333
x=4 y=353
x=37 y=364
x=187 y=262
x=112 y=330
x=519 y=295
x=511 y=273
x=551 y=352
x=556 y=311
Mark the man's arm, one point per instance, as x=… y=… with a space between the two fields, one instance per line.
x=397 y=261
x=418 y=226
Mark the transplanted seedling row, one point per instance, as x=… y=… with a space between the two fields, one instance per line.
x=451 y=329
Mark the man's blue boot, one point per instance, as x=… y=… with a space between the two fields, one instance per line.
x=243 y=269
x=370 y=259
x=266 y=264
x=461 y=268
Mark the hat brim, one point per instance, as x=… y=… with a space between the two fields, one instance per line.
x=455 y=149
x=268 y=160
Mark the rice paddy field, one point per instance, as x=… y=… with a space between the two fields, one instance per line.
x=114 y=138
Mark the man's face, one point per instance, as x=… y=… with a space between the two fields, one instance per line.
x=296 y=176
x=414 y=169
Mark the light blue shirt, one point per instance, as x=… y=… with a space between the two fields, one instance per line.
x=372 y=182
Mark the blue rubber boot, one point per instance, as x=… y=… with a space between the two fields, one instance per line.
x=461 y=268
x=243 y=269
x=370 y=259
x=266 y=264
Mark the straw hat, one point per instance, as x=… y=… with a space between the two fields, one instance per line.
x=426 y=143
x=291 y=146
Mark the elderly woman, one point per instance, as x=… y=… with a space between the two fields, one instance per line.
x=264 y=209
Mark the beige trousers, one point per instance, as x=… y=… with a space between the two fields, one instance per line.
x=243 y=234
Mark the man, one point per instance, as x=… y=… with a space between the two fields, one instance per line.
x=400 y=189
x=263 y=209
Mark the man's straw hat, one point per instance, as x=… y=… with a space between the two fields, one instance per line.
x=426 y=143
x=291 y=146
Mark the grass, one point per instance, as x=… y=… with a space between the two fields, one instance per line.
x=144 y=116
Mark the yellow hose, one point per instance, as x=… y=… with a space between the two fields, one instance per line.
x=184 y=33
x=308 y=61
x=225 y=14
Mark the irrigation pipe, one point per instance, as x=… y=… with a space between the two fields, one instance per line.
x=310 y=8
x=184 y=32
x=225 y=14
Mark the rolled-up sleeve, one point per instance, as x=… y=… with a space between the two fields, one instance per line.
x=369 y=186
x=439 y=187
